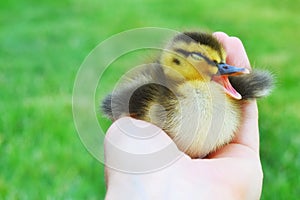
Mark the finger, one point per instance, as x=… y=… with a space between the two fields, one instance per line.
x=135 y=146
x=234 y=48
x=248 y=133
x=221 y=36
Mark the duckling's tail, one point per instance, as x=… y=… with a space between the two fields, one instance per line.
x=254 y=85
x=117 y=107
x=106 y=106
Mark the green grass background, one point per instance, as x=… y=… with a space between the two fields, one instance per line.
x=43 y=43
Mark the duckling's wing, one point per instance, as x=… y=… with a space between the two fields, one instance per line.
x=151 y=102
x=254 y=85
x=136 y=93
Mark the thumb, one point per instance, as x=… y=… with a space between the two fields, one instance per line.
x=136 y=146
x=234 y=48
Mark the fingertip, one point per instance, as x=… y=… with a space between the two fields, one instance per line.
x=236 y=40
x=234 y=48
x=221 y=36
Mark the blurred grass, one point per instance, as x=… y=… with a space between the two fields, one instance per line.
x=43 y=43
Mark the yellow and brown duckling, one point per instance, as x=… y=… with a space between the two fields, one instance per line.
x=190 y=92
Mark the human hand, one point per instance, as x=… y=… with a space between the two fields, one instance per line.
x=233 y=172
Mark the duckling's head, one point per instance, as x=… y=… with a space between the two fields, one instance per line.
x=198 y=56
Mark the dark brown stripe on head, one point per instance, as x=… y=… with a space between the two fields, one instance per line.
x=201 y=38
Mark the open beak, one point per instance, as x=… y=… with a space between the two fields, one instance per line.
x=226 y=70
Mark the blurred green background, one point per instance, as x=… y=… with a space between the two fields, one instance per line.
x=43 y=43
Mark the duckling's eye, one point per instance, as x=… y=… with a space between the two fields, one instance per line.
x=196 y=56
x=176 y=61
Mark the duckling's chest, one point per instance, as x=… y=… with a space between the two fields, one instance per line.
x=206 y=117
x=205 y=100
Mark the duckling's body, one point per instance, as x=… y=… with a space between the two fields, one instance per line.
x=185 y=94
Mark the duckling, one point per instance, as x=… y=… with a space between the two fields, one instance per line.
x=190 y=92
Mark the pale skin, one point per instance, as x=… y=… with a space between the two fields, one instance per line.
x=233 y=172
